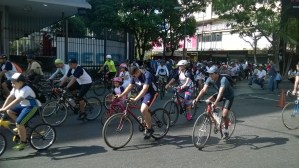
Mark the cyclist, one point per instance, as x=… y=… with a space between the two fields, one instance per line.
x=184 y=77
x=34 y=71
x=144 y=81
x=21 y=106
x=162 y=72
x=296 y=83
x=61 y=68
x=80 y=81
x=111 y=68
x=124 y=74
x=225 y=93
x=199 y=76
x=7 y=70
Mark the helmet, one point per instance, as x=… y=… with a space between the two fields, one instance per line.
x=108 y=57
x=182 y=62
x=213 y=69
x=123 y=65
x=18 y=77
x=117 y=79
x=58 y=61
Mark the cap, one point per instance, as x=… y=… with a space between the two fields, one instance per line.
x=108 y=56
x=117 y=79
x=18 y=77
x=58 y=61
x=213 y=69
x=72 y=60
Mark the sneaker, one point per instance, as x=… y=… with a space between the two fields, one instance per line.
x=148 y=133
x=81 y=116
x=20 y=146
x=225 y=134
x=189 y=116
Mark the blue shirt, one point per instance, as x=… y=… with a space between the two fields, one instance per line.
x=145 y=78
x=222 y=82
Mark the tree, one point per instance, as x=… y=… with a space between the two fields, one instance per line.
x=249 y=17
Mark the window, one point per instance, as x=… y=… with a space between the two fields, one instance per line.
x=210 y=37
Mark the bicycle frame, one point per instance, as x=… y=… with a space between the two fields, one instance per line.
x=6 y=125
x=178 y=97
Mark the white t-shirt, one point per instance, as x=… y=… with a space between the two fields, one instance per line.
x=261 y=74
x=24 y=92
x=126 y=78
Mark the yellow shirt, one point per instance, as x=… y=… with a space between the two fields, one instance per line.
x=110 y=65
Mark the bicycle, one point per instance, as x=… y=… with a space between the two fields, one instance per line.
x=102 y=84
x=161 y=85
x=176 y=106
x=290 y=113
x=118 y=129
x=203 y=124
x=40 y=136
x=55 y=112
x=116 y=106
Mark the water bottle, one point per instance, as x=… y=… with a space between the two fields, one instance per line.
x=72 y=102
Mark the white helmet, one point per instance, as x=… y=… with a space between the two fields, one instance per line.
x=182 y=62
x=108 y=57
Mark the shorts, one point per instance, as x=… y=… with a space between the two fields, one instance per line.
x=227 y=103
x=24 y=113
x=148 y=98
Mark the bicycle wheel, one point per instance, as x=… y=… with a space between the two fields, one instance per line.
x=160 y=123
x=118 y=131
x=42 y=136
x=99 y=87
x=201 y=130
x=290 y=115
x=3 y=144
x=172 y=108
x=54 y=113
x=93 y=108
x=231 y=124
x=108 y=100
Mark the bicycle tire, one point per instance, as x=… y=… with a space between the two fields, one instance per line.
x=114 y=127
x=290 y=116
x=231 y=124
x=99 y=87
x=172 y=108
x=108 y=100
x=42 y=136
x=3 y=143
x=93 y=108
x=203 y=124
x=54 y=113
x=160 y=123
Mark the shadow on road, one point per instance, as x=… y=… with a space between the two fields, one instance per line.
x=60 y=153
x=255 y=142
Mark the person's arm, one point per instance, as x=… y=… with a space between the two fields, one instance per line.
x=219 y=95
x=12 y=103
x=157 y=71
x=142 y=92
x=202 y=92
x=54 y=74
x=8 y=100
x=126 y=91
x=295 y=85
x=167 y=72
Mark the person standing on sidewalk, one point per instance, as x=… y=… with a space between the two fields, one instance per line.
x=294 y=92
x=272 y=74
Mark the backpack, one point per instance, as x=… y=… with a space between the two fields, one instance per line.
x=229 y=78
x=18 y=68
x=39 y=95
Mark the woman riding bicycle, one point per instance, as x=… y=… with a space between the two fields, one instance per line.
x=184 y=77
x=21 y=106
x=225 y=92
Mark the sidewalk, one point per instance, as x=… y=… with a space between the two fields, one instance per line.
x=243 y=89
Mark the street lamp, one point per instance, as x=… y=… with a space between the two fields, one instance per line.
x=185 y=17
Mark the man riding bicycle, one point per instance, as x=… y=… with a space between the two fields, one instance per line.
x=61 y=68
x=80 y=81
x=162 y=72
x=21 y=105
x=7 y=70
x=34 y=70
x=184 y=77
x=225 y=93
x=144 y=81
x=111 y=69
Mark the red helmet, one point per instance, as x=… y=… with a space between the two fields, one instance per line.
x=117 y=79
x=123 y=65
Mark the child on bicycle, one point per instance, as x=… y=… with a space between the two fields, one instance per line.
x=184 y=77
x=124 y=75
x=21 y=105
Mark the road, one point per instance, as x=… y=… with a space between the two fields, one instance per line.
x=260 y=140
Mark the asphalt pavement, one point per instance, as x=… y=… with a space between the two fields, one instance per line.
x=259 y=141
